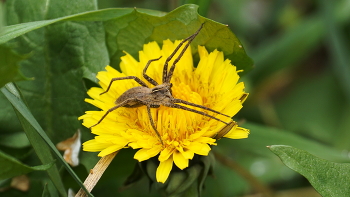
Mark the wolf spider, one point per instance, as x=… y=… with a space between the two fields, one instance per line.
x=160 y=94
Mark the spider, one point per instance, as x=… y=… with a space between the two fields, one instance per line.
x=160 y=94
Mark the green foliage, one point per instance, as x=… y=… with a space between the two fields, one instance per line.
x=38 y=137
x=41 y=148
x=10 y=167
x=328 y=178
x=9 y=66
x=124 y=34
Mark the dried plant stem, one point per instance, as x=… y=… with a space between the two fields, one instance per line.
x=96 y=173
x=266 y=191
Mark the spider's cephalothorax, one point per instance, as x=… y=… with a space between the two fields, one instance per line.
x=160 y=94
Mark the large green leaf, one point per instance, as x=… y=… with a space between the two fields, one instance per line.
x=9 y=69
x=130 y=32
x=13 y=31
x=328 y=178
x=11 y=167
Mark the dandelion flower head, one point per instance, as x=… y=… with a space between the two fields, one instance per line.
x=213 y=83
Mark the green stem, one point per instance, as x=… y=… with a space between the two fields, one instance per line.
x=253 y=181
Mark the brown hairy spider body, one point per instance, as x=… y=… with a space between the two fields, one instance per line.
x=154 y=97
x=160 y=94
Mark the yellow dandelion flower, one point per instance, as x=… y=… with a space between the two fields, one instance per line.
x=213 y=84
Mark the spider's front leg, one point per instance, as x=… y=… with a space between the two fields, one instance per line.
x=148 y=78
x=139 y=81
x=122 y=104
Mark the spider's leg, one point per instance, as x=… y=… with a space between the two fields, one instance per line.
x=195 y=111
x=148 y=78
x=152 y=123
x=200 y=106
x=224 y=130
x=166 y=77
x=165 y=69
x=139 y=81
x=112 y=109
x=172 y=68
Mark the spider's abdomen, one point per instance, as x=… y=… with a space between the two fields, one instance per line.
x=135 y=94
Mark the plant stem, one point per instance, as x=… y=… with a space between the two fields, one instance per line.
x=96 y=173
x=245 y=174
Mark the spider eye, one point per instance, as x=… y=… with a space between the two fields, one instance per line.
x=155 y=90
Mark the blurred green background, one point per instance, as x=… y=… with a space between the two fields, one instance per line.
x=299 y=95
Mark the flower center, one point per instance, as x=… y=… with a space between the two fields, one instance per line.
x=172 y=124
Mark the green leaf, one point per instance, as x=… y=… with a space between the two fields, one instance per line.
x=35 y=134
x=13 y=31
x=171 y=26
x=11 y=167
x=57 y=93
x=130 y=32
x=328 y=178
x=203 y=5
x=9 y=70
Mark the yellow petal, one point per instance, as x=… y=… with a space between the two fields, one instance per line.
x=188 y=154
x=199 y=148
x=165 y=154
x=179 y=160
x=144 y=154
x=150 y=51
x=94 y=146
x=238 y=133
x=129 y=65
x=109 y=150
x=163 y=170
